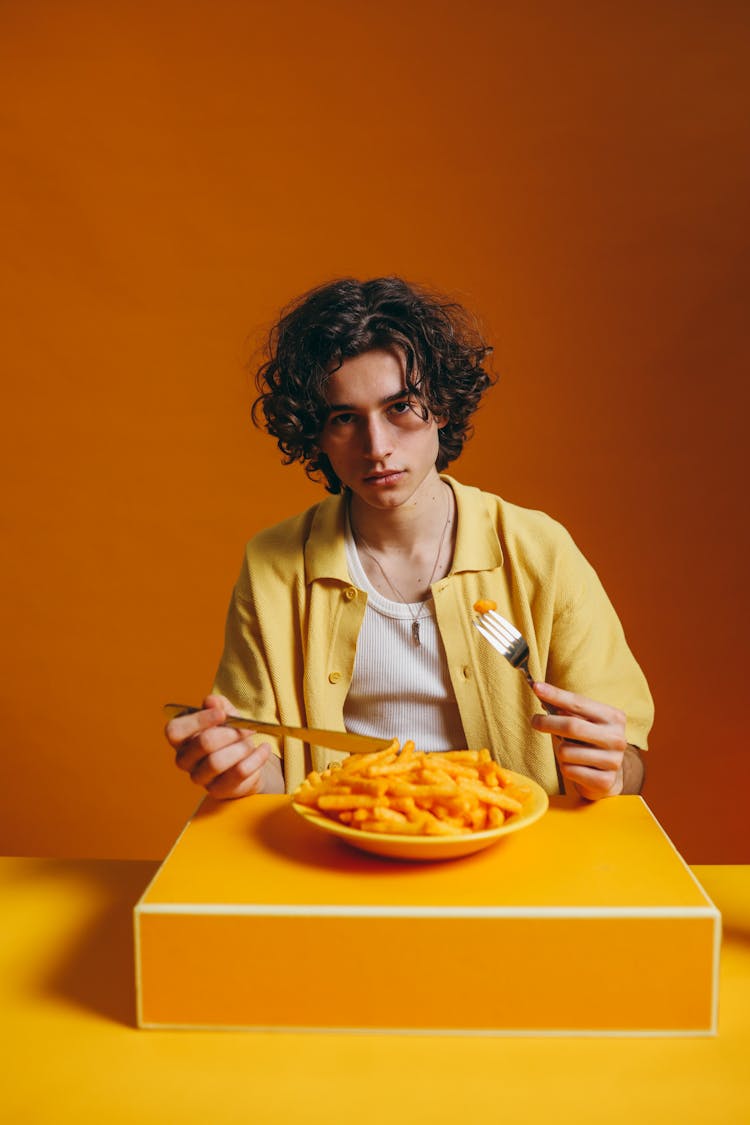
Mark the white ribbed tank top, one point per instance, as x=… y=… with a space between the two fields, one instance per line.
x=400 y=688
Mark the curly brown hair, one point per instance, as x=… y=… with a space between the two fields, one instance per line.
x=442 y=345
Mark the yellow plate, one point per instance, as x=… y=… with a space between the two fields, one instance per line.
x=432 y=847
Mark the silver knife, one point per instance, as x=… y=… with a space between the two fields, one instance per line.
x=333 y=739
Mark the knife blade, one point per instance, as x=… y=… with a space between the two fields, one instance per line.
x=333 y=739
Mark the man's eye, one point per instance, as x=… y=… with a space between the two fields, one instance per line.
x=401 y=407
x=340 y=419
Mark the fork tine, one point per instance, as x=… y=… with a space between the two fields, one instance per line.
x=499 y=631
x=511 y=644
x=498 y=643
x=502 y=623
x=502 y=644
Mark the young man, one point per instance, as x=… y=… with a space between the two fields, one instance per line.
x=357 y=613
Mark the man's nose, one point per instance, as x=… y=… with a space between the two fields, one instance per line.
x=376 y=439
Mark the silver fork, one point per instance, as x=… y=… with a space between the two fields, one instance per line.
x=511 y=644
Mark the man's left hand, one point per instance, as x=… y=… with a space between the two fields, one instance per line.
x=590 y=744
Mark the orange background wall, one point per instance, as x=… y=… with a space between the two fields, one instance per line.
x=174 y=172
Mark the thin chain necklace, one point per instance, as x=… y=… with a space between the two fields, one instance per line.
x=415 y=617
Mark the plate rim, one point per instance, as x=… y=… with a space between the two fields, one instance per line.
x=541 y=804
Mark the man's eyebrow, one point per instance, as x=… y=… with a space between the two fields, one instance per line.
x=383 y=401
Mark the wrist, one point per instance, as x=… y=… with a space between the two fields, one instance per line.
x=272 y=776
x=633 y=770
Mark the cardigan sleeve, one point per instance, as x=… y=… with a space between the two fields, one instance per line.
x=243 y=675
x=588 y=651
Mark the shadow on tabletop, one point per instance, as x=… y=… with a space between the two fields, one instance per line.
x=283 y=832
x=96 y=967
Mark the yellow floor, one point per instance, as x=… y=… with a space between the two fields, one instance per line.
x=71 y=1050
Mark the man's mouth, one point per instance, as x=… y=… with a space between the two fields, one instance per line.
x=384 y=477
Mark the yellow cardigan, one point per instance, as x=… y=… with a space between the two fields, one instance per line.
x=295 y=615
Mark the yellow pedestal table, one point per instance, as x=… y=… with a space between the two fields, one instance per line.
x=587 y=922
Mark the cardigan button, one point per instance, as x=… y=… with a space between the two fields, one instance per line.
x=334 y=677
x=466 y=672
x=350 y=593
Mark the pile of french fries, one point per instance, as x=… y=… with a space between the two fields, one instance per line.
x=414 y=793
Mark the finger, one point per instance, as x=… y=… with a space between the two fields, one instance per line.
x=184 y=727
x=219 y=702
x=575 y=704
x=581 y=730
x=244 y=778
x=209 y=742
x=593 y=784
x=212 y=765
x=590 y=757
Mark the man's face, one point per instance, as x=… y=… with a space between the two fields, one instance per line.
x=376 y=436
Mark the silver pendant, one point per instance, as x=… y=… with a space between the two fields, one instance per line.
x=415 y=632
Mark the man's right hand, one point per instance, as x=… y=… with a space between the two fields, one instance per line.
x=222 y=759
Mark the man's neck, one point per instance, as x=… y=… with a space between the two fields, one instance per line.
x=411 y=546
x=410 y=526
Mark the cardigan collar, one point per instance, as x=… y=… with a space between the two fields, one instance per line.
x=477 y=543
